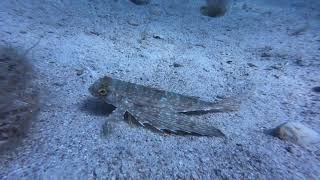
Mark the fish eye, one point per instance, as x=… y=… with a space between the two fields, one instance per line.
x=102 y=92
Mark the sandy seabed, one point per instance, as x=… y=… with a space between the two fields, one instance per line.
x=270 y=46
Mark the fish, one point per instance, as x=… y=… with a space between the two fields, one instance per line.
x=162 y=110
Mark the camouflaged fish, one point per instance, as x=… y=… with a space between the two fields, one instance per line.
x=163 y=110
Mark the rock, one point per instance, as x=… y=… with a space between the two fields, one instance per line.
x=316 y=89
x=297 y=133
x=133 y=23
x=215 y=8
x=252 y=65
x=176 y=65
x=157 y=37
x=18 y=97
x=266 y=54
x=140 y=2
x=79 y=72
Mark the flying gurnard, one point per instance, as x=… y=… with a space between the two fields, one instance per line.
x=162 y=110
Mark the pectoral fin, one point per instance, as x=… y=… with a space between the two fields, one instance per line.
x=220 y=106
x=171 y=122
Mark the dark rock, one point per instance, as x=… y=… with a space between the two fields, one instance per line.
x=265 y=54
x=176 y=65
x=94 y=33
x=290 y=149
x=215 y=8
x=316 y=89
x=140 y=2
x=157 y=37
x=133 y=23
x=79 y=72
x=252 y=65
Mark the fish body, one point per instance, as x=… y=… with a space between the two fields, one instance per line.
x=163 y=110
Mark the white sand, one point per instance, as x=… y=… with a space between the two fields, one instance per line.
x=138 y=44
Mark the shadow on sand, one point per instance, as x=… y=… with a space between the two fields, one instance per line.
x=96 y=107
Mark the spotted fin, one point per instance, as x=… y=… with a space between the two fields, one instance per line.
x=176 y=123
x=220 y=106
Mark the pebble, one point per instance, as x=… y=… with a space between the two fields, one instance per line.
x=132 y=23
x=297 y=133
x=176 y=65
x=140 y=2
x=252 y=65
x=79 y=72
x=215 y=8
x=316 y=89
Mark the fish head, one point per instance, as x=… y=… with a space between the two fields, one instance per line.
x=102 y=89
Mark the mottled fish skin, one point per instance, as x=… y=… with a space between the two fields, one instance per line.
x=166 y=121
x=122 y=93
x=161 y=109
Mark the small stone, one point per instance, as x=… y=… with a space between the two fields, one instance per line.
x=206 y=70
x=252 y=65
x=79 y=72
x=297 y=133
x=316 y=89
x=140 y=2
x=300 y=62
x=157 y=37
x=290 y=149
x=265 y=54
x=133 y=23
x=23 y=32
x=200 y=45
x=59 y=84
x=277 y=66
x=94 y=33
x=176 y=65
x=276 y=76
x=215 y=8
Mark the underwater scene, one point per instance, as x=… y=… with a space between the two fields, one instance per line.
x=159 y=89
